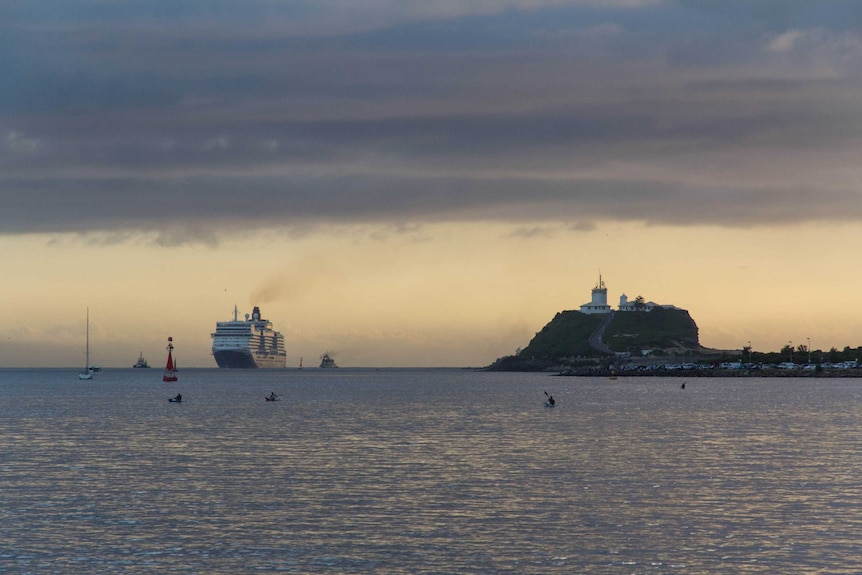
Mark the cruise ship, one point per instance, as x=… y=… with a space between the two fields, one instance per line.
x=248 y=344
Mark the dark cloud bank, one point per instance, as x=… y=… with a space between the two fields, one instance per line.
x=151 y=116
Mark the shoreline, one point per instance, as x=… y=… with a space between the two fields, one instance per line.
x=719 y=373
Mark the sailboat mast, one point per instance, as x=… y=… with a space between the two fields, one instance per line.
x=87 y=348
x=86 y=373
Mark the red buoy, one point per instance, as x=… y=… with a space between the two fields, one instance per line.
x=171 y=367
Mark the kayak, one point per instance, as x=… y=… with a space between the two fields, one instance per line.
x=175 y=400
x=272 y=398
x=548 y=404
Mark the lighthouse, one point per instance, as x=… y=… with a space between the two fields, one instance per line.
x=599 y=303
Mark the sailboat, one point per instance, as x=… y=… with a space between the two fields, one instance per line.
x=171 y=367
x=86 y=373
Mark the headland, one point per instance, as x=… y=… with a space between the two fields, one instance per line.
x=643 y=338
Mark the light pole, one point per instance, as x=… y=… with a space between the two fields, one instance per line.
x=749 y=351
x=790 y=346
x=809 y=350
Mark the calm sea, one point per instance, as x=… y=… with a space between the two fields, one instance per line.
x=427 y=471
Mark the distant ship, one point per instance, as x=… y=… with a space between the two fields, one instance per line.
x=249 y=343
x=326 y=361
x=141 y=361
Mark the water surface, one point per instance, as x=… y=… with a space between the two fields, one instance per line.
x=427 y=471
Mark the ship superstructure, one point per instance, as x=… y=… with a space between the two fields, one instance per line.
x=326 y=361
x=249 y=343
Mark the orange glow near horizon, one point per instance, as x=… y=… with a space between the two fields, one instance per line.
x=441 y=295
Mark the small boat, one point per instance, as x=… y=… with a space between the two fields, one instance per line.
x=548 y=404
x=87 y=373
x=272 y=398
x=175 y=399
x=141 y=363
x=326 y=361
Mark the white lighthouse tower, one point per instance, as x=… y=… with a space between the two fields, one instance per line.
x=599 y=303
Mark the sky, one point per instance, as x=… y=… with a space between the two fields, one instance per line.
x=406 y=183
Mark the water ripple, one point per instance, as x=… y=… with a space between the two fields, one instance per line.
x=429 y=471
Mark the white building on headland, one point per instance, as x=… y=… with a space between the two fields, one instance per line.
x=626 y=305
x=599 y=303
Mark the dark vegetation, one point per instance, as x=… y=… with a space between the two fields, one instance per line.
x=796 y=354
x=567 y=335
x=663 y=329
x=565 y=341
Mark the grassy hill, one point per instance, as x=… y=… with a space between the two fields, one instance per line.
x=566 y=335
x=665 y=329
x=565 y=339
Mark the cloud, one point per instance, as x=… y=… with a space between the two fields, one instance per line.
x=19 y=143
x=188 y=123
x=530 y=232
x=786 y=41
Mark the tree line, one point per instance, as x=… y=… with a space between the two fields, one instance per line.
x=800 y=354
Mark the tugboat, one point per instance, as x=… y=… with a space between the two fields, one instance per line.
x=326 y=361
x=141 y=362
